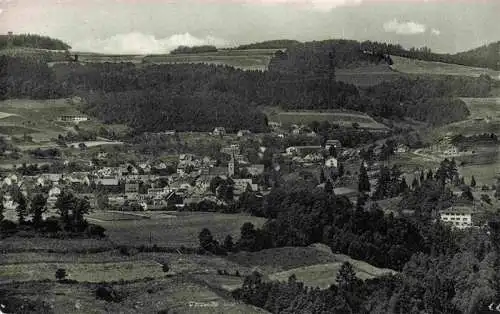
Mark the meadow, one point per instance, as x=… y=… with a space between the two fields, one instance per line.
x=413 y=66
x=83 y=272
x=176 y=230
x=342 y=118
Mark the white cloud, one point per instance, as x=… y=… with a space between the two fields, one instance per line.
x=139 y=43
x=404 y=28
x=435 y=32
x=326 y=5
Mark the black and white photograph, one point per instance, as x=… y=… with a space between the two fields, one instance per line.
x=250 y=156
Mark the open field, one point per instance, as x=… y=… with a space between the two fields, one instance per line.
x=315 y=265
x=252 y=59
x=368 y=75
x=82 y=272
x=177 y=230
x=406 y=65
x=175 y=294
x=343 y=118
x=37 y=118
x=323 y=275
x=484 y=118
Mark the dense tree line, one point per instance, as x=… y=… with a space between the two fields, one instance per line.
x=194 y=49
x=31 y=208
x=465 y=282
x=353 y=53
x=269 y=44
x=32 y=41
x=199 y=97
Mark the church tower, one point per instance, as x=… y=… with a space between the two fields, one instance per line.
x=230 y=166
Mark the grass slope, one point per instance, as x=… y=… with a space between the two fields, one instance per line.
x=413 y=66
x=314 y=265
x=176 y=230
x=342 y=118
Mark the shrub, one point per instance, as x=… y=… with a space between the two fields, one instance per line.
x=106 y=293
x=96 y=231
x=61 y=274
x=7 y=226
x=165 y=268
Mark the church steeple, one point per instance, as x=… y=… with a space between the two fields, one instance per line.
x=230 y=166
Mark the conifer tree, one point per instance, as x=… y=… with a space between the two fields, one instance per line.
x=473 y=182
x=363 y=180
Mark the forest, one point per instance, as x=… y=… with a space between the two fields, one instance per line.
x=194 y=49
x=32 y=41
x=199 y=97
x=440 y=270
x=269 y=44
x=351 y=53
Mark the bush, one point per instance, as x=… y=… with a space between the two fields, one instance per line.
x=61 y=274
x=52 y=225
x=96 y=231
x=107 y=293
x=7 y=226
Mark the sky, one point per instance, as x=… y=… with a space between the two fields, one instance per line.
x=158 y=26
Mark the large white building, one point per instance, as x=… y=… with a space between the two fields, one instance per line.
x=457 y=217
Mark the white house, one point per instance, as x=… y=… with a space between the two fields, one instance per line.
x=76 y=118
x=219 y=131
x=331 y=163
x=458 y=217
x=242 y=133
x=54 y=192
x=401 y=148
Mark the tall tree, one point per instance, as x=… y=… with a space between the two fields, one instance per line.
x=38 y=207
x=2 y=208
x=473 y=182
x=363 y=180
x=22 y=207
x=65 y=203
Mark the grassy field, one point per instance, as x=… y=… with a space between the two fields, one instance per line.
x=252 y=59
x=178 y=230
x=177 y=295
x=323 y=275
x=406 y=65
x=315 y=265
x=368 y=75
x=37 y=118
x=83 y=272
x=342 y=118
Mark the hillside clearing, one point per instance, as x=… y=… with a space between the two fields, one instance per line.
x=83 y=272
x=324 y=275
x=342 y=118
x=180 y=231
x=413 y=66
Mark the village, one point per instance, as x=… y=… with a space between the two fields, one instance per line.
x=215 y=181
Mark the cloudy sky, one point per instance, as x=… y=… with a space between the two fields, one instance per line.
x=155 y=26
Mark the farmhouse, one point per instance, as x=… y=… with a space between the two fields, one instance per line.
x=231 y=150
x=255 y=170
x=131 y=187
x=303 y=150
x=219 y=131
x=108 y=181
x=401 y=148
x=242 y=133
x=73 y=118
x=333 y=143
